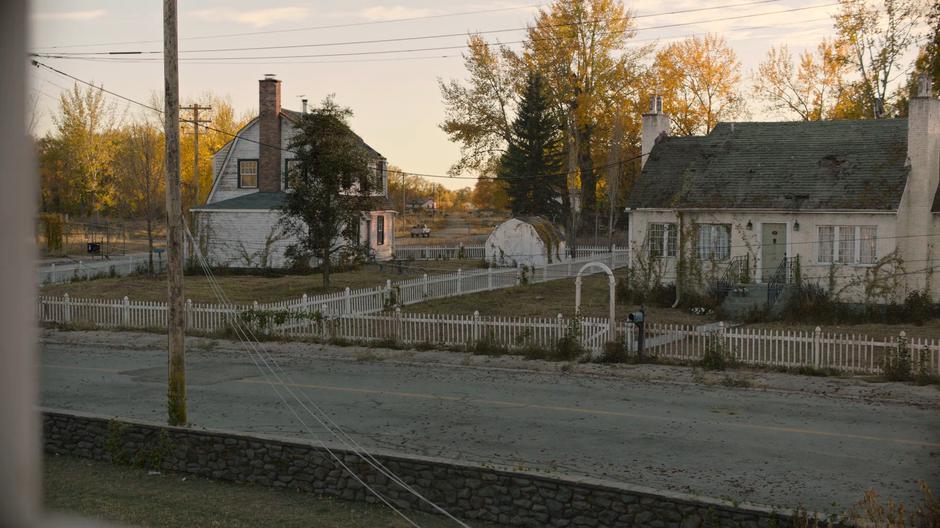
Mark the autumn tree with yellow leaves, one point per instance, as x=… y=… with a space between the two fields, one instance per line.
x=811 y=88
x=699 y=79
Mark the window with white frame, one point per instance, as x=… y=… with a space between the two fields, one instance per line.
x=714 y=241
x=847 y=244
x=247 y=173
x=662 y=239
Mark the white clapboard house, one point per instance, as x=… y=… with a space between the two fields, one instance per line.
x=238 y=224
x=853 y=202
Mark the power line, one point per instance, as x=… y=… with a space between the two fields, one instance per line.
x=436 y=48
x=308 y=28
x=448 y=35
x=278 y=147
x=257 y=60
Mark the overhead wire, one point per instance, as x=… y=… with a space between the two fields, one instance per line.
x=439 y=36
x=307 y=28
x=435 y=48
x=235 y=135
x=247 y=336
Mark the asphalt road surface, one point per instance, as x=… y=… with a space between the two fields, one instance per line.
x=771 y=447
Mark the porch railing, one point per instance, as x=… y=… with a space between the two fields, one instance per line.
x=782 y=276
x=737 y=272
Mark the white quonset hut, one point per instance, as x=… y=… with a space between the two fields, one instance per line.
x=526 y=241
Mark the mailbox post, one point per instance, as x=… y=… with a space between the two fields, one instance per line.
x=639 y=319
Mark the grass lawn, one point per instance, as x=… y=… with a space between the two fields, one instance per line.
x=248 y=288
x=131 y=496
x=548 y=299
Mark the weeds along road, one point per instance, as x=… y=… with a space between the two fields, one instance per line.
x=769 y=446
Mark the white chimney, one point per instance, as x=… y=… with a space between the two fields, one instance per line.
x=923 y=155
x=655 y=124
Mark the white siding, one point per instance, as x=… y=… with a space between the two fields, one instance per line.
x=251 y=239
x=848 y=278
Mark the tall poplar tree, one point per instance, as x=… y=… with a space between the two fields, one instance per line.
x=532 y=166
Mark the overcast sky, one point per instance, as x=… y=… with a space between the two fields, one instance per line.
x=395 y=97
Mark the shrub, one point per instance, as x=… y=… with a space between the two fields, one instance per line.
x=569 y=346
x=487 y=346
x=716 y=356
x=897 y=364
x=918 y=307
x=614 y=352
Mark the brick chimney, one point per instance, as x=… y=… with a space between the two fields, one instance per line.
x=269 y=122
x=655 y=123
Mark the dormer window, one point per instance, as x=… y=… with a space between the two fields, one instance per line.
x=247 y=174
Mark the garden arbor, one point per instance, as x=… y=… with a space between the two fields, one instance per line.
x=612 y=298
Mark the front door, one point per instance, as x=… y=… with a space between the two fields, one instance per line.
x=773 y=249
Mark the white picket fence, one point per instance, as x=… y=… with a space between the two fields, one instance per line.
x=769 y=348
x=439 y=252
x=209 y=317
x=86 y=270
x=853 y=353
x=460 y=251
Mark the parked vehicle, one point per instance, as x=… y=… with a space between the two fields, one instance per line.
x=420 y=230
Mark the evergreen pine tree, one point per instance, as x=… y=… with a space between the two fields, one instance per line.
x=532 y=165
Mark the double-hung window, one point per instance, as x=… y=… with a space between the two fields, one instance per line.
x=714 y=241
x=380 y=230
x=662 y=240
x=847 y=244
x=247 y=173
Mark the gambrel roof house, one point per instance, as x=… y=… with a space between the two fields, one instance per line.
x=855 y=202
x=238 y=225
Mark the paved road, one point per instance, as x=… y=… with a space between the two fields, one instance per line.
x=769 y=447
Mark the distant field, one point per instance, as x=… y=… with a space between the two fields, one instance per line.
x=248 y=288
x=132 y=496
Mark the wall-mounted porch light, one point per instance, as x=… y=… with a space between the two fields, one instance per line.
x=750 y=225
x=796 y=225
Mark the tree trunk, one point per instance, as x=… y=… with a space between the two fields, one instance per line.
x=325 y=268
x=586 y=164
x=150 y=245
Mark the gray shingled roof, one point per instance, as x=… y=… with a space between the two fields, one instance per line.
x=821 y=165
x=294 y=116
x=254 y=201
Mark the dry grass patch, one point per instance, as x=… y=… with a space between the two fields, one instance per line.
x=135 y=497
x=248 y=288
x=548 y=299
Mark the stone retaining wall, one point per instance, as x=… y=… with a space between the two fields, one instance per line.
x=468 y=491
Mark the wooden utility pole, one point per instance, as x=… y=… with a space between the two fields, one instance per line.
x=176 y=379
x=195 y=108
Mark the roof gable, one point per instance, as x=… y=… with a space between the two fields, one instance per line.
x=825 y=165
